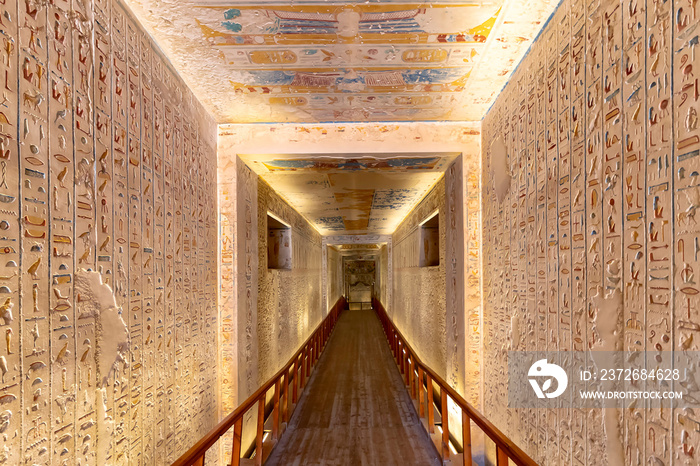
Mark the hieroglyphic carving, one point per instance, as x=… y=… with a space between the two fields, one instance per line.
x=659 y=214
x=593 y=201
x=564 y=134
x=421 y=292
x=516 y=168
x=631 y=202
x=179 y=329
x=551 y=220
x=528 y=225
x=135 y=308
x=120 y=214
x=612 y=160
x=455 y=323
x=69 y=246
x=683 y=182
x=104 y=187
x=541 y=135
x=148 y=261
x=66 y=195
x=633 y=215
x=12 y=362
x=85 y=222
x=472 y=281
x=577 y=203
x=157 y=343
x=34 y=271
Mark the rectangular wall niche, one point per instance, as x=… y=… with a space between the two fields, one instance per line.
x=430 y=241
x=279 y=244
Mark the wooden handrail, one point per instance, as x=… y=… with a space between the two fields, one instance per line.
x=414 y=370
x=305 y=358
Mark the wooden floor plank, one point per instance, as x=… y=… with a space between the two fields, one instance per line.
x=355 y=409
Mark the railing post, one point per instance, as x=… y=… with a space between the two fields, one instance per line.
x=445 y=424
x=302 y=377
x=429 y=407
x=501 y=457
x=421 y=393
x=295 y=380
x=236 y=450
x=285 y=397
x=199 y=461
x=312 y=359
x=276 y=412
x=309 y=358
x=259 y=432
x=406 y=367
x=317 y=347
x=466 y=439
x=413 y=377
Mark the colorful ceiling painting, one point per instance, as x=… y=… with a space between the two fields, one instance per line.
x=356 y=247
x=316 y=61
x=352 y=193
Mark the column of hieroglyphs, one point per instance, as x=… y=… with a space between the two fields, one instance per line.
x=101 y=144
x=617 y=191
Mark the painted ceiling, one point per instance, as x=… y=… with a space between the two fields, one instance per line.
x=355 y=247
x=316 y=61
x=351 y=193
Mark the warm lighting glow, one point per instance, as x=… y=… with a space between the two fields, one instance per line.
x=337 y=198
x=453 y=448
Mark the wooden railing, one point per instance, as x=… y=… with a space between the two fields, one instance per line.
x=421 y=382
x=291 y=377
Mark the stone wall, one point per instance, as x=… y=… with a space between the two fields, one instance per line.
x=590 y=188
x=334 y=280
x=108 y=286
x=289 y=301
x=419 y=293
x=267 y=313
x=462 y=137
x=428 y=303
x=383 y=275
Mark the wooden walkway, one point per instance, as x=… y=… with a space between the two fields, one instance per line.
x=355 y=409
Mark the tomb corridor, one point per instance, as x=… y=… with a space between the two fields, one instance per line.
x=332 y=233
